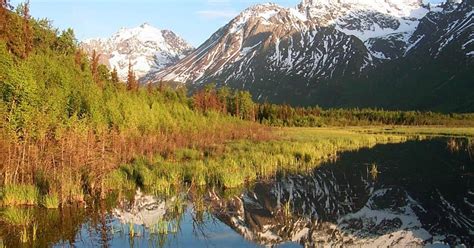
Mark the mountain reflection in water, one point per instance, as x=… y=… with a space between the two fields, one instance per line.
x=422 y=193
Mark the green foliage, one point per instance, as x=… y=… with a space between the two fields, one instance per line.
x=236 y=103
x=17 y=216
x=119 y=179
x=285 y=115
x=50 y=201
x=188 y=154
x=66 y=43
x=53 y=90
x=12 y=195
x=54 y=93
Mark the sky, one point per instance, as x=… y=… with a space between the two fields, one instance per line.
x=193 y=20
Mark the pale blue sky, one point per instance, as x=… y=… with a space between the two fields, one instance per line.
x=194 y=20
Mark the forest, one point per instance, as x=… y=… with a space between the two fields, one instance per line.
x=67 y=121
x=240 y=104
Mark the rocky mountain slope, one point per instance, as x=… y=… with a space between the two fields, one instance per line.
x=435 y=73
x=148 y=49
x=300 y=55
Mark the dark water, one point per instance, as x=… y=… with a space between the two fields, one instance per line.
x=418 y=193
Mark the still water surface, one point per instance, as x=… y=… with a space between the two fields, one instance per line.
x=418 y=193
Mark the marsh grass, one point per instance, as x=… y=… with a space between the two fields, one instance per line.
x=238 y=162
x=162 y=226
x=50 y=201
x=17 y=216
x=24 y=235
x=374 y=171
x=418 y=130
x=231 y=165
x=35 y=231
x=131 y=230
x=15 y=195
x=287 y=209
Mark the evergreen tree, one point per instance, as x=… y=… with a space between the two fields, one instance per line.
x=161 y=86
x=132 y=83
x=246 y=106
x=4 y=8
x=149 y=87
x=114 y=76
x=66 y=42
x=78 y=59
x=223 y=94
x=104 y=75
x=27 y=30
x=95 y=66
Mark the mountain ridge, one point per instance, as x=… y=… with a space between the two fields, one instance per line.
x=306 y=19
x=295 y=56
x=147 y=48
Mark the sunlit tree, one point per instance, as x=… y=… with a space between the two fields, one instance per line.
x=132 y=83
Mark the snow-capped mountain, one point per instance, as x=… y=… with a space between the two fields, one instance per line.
x=277 y=38
x=450 y=25
x=286 y=54
x=267 y=44
x=148 y=49
x=366 y=19
x=315 y=39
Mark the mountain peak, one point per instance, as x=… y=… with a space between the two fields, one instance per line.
x=366 y=19
x=145 y=25
x=146 y=47
x=361 y=2
x=294 y=55
x=338 y=8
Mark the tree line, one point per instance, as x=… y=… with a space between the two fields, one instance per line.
x=285 y=115
x=240 y=104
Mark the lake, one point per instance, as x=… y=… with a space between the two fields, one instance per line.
x=418 y=193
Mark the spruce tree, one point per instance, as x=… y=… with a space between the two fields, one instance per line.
x=149 y=87
x=4 y=8
x=27 y=30
x=78 y=59
x=132 y=83
x=114 y=76
x=95 y=66
x=161 y=86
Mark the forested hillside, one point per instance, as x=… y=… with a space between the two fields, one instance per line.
x=66 y=120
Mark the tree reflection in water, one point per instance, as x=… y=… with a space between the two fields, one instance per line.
x=423 y=193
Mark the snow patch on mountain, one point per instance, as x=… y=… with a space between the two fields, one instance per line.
x=147 y=48
x=366 y=19
x=383 y=26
